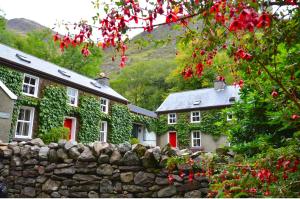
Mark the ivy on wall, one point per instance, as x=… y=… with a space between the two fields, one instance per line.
x=121 y=124
x=149 y=122
x=210 y=124
x=90 y=116
x=13 y=80
x=53 y=108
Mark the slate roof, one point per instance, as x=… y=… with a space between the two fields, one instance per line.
x=8 y=92
x=142 y=111
x=26 y=62
x=199 y=99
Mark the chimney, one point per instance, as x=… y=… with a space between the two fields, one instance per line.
x=103 y=79
x=219 y=85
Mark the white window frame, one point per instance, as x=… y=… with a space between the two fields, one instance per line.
x=104 y=105
x=192 y=138
x=73 y=130
x=76 y=96
x=104 y=132
x=29 y=136
x=169 y=118
x=36 y=86
x=192 y=117
x=229 y=119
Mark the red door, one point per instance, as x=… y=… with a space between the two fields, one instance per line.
x=173 y=139
x=68 y=124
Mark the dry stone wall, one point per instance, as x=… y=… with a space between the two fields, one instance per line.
x=69 y=169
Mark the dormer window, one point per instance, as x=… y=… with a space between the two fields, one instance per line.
x=195 y=117
x=172 y=119
x=197 y=102
x=232 y=99
x=30 y=85
x=104 y=105
x=64 y=73
x=73 y=96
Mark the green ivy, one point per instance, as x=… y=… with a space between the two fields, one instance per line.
x=90 y=116
x=149 y=122
x=53 y=108
x=13 y=80
x=121 y=124
x=210 y=124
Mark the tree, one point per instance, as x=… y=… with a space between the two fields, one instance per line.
x=144 y=83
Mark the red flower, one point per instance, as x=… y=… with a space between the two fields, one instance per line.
x=274 y=94
x=187 y=72
x=295 y=117
x=235 y=25
x=191 y=176
x=56 y=37
x=264 y=21
x=267 y=193
x=202 y=52
x=85 y=51
x=199 y=69
x=170 y=178
x=252 y=190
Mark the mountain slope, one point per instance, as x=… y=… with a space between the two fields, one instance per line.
x=23 y=26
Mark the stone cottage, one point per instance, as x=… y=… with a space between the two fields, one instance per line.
x=36 y=76
x=191 y=105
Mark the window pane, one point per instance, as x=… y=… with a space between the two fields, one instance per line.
x=27 y=115
x=25 y=88
x=25 y=129
x=72 y=100
x=19 y=128
x=32 y=81
x=198 y=142
x=31 y=90
x=21 y=115
x=26 y=79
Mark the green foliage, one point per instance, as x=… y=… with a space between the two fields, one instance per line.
x=134 y=141
x=90 y=116
x=149 y=122
x=143 y=83
x=210 y=124
x=121 y=124
x=55 y=134
x=53 y=109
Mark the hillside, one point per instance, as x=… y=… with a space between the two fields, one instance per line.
x=23 y=26
x=139 y=51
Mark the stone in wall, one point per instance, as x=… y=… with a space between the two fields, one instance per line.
x=70 y=169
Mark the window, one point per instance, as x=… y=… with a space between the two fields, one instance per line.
x=24 y=123
x=73 y=96
x=196 y=139
x=30 y=85
x=229 y=116
x=172 y=118
x=103 y=131
x=104 y=105
x=195 y=116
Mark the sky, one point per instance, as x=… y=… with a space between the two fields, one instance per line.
x=48 y=12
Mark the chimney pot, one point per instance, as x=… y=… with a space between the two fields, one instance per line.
x=103 y=79
x=219 y=85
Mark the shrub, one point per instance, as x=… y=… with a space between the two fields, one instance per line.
x=134 y=141
x=55 y=134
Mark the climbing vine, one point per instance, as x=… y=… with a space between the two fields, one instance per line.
x=90 y=116
x=210 y=124
x=13 y=80
x=149 y=122
x=53 y=108
x=121 y=124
